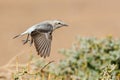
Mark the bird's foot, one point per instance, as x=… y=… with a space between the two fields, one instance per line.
x=25 y=41
x=31 y=42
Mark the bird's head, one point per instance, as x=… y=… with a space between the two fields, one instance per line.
x=57 y=24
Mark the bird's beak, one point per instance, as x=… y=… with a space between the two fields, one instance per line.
x=65 y=24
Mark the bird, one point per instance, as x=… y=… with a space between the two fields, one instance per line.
x=41 y=35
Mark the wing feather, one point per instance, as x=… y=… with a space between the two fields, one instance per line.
x=46 y=48
x=40 y=45
x=42 y=42
x=49 y=49
x=41 y=50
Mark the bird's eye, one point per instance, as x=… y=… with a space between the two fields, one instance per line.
x=59 y=23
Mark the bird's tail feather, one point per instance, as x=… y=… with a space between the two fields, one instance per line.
x=16 y=36
x=19 y=35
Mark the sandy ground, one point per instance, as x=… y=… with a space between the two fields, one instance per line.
x=85 y=18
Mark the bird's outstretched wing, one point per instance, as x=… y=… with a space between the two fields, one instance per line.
x=42 y=42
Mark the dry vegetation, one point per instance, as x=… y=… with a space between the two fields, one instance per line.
x=87 y=59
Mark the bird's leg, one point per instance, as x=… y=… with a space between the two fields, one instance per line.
x=31 y=42
x=26 y=40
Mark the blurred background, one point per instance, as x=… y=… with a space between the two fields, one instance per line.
x=97 y=18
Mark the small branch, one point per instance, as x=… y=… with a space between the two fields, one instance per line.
x=46 y=66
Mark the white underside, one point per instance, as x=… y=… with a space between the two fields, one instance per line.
x=28 y=31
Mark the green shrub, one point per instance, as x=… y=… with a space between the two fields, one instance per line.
x=87 y=59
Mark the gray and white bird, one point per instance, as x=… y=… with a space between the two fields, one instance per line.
x=41 y=35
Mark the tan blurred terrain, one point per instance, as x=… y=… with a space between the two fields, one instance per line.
x=85 y=18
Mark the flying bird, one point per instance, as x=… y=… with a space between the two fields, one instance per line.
x=41 y=35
